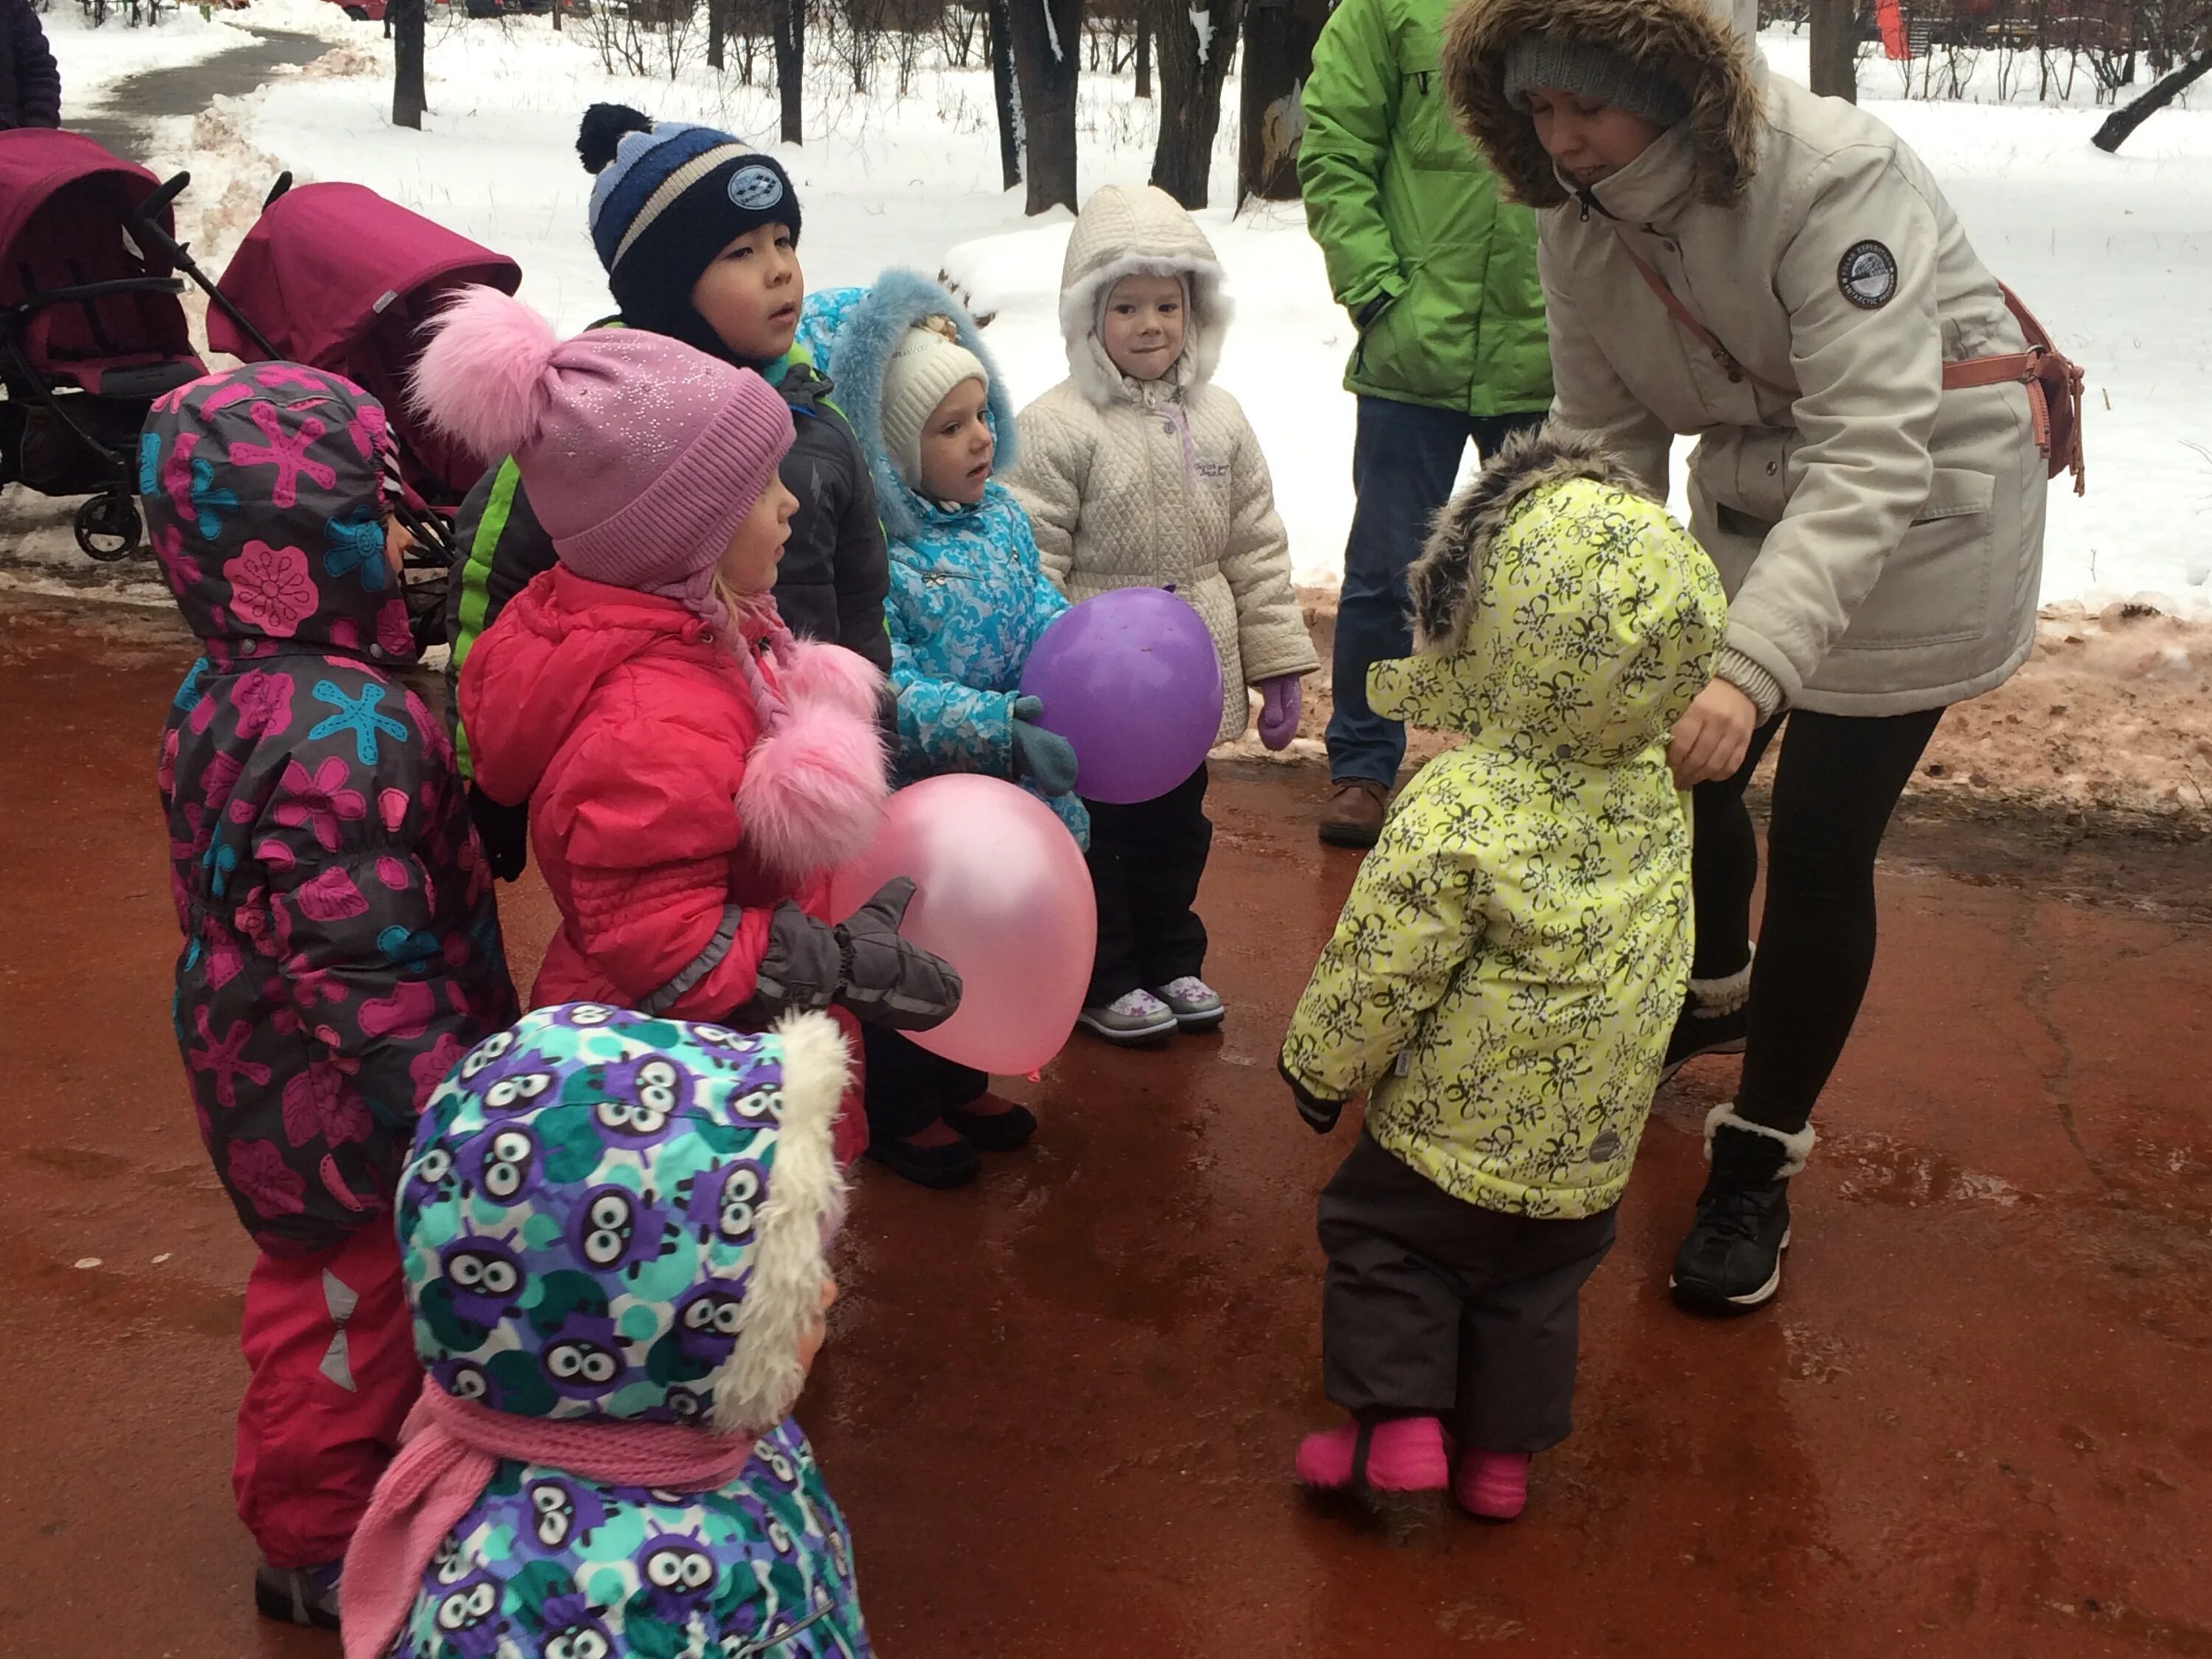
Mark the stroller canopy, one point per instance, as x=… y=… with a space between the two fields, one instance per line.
x=335 y=276
x=326 y=263
x=65 y=209
x=38 y=164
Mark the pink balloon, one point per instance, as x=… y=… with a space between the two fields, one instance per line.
x=1001 y=893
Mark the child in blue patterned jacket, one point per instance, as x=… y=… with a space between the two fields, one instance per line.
x=968 y=601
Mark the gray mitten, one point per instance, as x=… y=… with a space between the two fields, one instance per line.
x=861 y=964
x=1045 y=757
x=889 y=980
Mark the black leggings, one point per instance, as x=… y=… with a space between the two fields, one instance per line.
x=1835 y=786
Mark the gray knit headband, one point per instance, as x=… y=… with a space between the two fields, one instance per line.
x=1588 y=69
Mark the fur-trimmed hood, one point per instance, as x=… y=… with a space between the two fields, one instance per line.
x=1558 y=611
x=851 y=333
x=608 y=1217
x=1695 y=48
x=1126 y=231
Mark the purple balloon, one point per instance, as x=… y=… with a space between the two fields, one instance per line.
x=1131 y=679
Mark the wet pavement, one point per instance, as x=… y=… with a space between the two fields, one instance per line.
x=124 y=119
x=1059 y=1406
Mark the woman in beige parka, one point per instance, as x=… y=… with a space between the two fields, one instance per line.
x=1138 y=470
x=1725 y=255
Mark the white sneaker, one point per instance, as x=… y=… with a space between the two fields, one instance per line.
x=1196 y=1006
x=1138 y=1018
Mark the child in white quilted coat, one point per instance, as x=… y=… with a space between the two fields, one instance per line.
x=1138 y=470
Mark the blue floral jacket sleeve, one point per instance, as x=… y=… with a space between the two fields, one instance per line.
x=969 y=602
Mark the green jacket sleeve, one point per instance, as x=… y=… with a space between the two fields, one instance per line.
x=498 y=547
x=1350 y=104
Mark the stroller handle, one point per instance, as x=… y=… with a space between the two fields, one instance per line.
x=150 y=210
x=85 y=293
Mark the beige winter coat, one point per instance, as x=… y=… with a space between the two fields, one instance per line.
x=1153 y=484
x=1881 y=540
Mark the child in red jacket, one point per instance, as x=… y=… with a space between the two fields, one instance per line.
x=693 y=772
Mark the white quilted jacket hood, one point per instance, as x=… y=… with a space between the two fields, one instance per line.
x=1126 y=232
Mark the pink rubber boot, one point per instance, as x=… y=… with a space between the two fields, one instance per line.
x=1493 y=1485
x=1404 y=1454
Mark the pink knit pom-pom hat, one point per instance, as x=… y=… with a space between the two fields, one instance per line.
x=641 y=455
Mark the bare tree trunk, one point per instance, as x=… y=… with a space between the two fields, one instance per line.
x=1144 y=56
x=999 y=45
x=1835 y=45
x=717 y=22
x=1196 y=40
x=1834 y=48
x=2122 y=122
x=1047 y=36
x=408 y=98
x=1279 y=43
x=788 y=19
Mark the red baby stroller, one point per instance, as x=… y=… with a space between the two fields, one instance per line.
x=90 y=329
x=335 y=276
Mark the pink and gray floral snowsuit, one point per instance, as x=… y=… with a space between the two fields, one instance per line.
x=341 y=949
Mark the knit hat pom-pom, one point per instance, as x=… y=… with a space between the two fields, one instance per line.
x=602 y=130
x=486 y=377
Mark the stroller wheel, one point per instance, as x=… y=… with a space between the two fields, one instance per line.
x=107 y=527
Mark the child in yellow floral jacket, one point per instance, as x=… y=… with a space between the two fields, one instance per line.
x=1505 y=973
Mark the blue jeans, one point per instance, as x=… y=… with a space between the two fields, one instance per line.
x=1404 y=462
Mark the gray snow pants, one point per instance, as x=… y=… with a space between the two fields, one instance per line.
x=1435 y=1307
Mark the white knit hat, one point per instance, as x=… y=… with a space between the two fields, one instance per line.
x=924 y=366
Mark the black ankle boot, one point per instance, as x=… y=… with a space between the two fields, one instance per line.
x=1731 y=1261
x=1713 y=1021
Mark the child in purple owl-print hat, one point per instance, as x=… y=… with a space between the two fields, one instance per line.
x=615 y=1228
x=341 y=951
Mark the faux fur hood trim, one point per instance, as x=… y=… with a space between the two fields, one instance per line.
x=1128 y=231
x=759 y=1383
x=1442 y=581
x=815 y=786
x=1685 y=41
x=864 y=339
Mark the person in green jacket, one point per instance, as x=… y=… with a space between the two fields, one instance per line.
x=1508 y=967
x=1439 y=275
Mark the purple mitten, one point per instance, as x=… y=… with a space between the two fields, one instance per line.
x=1279 y=700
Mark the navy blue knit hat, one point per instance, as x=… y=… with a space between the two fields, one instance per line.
x=670 y=196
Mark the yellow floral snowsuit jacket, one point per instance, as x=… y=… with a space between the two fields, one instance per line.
x=1513 y=955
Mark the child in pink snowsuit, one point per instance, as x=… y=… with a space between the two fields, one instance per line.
x=341 y=950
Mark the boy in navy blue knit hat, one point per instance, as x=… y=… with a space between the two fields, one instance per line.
x=699 y=234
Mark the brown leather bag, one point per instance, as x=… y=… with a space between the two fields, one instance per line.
x=2054 y=382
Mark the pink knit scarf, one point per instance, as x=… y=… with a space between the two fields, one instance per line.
x=449 y=1449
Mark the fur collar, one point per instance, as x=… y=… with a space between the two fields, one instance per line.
x=1443 y=581
x=1684 y=41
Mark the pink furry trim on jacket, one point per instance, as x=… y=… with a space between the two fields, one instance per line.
x=830 y=676
x=814 y=788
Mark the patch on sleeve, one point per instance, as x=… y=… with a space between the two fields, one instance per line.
x=1867 y=276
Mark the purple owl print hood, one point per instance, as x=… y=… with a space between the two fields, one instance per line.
x=340 y=950
x=611 y=1220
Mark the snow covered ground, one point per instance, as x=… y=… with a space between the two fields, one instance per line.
x=2115 y=254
